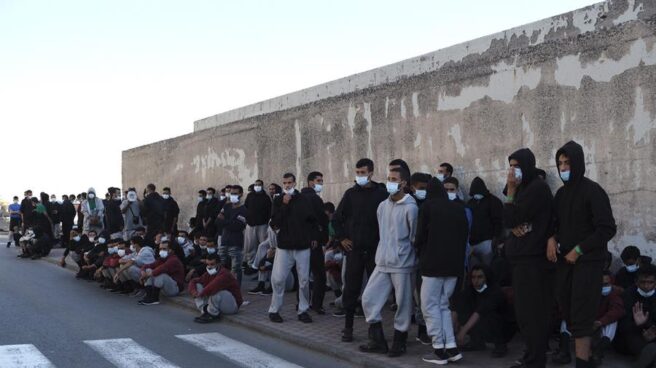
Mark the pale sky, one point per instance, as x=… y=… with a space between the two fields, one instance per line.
x=81 y=81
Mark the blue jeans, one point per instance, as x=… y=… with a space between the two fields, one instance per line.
x=232 y=255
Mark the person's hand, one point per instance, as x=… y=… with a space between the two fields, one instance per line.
x=62 y=262
x=640 y=317
x=519 y=231
x=314 y=244
x=286 y=199
x=190 y=274
x=512 y=182
x=552 y=250
x=596 y=325
x=460 y=338
x=192 y=291
x=571 y=257
x=116 y=278
x=347 y=244
x=221 y=216
x=649 y=334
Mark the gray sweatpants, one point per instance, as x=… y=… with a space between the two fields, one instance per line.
x=133 y=273
x=435 y=294
x=282 y=266
x=165 y=283
x=253 y=236
x=109 y=272
x=378 y=289
x=222 y=302
x=260 y=254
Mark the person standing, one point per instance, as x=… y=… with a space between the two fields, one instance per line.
x=258 y=207
x=131 y=209
x=528 y=212
x=153 y=213
x=67 y=218
x=171 y=212
x=113 y=217
x=15 y=220
x=293 y=215
x=584 y=224
x=232 y=221
x=487 y=224
x=212 y=210
x=54 y=211
x=27 y=210
x=93 y=211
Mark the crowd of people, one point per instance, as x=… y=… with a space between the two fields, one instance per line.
x=468 y=270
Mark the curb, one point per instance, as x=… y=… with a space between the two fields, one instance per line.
x=327 y=349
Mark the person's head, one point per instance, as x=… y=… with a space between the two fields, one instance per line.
x=419 y=184
x=258 y=186
x=541 y=174
x=451 y=186
x=75 y=235
x=522 y=162
x=15 y=199
x=236 y=193
x=166 y=192
x=571 y=162
x=34 y=201
x=211 y=246
x=28 y=194
x=92 y=235
x=274 y=190
x=91 y=193
x=212 y=264
x=53 y=198
x=64 y=197
x=606 y=283
x=315 y=181
x=210 y=192
x=329 y=209
x=202 y=241
x=136 y=243
x=397 y=179
x=477 y=189
x=182 y=237
x=364 y=170
x=444 y=171
x=646 y=280
x=44 y=197
x=164 y=249
x=631 y=258
x=479 y=278
x=288 y=183
x=201 y=195
x=397 y=162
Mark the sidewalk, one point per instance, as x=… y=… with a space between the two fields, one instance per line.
x=324 y=333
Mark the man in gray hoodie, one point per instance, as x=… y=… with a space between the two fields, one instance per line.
x=395 y=266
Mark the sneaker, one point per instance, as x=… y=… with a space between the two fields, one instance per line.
x=139 y=293
x=149 y=302
x=319 y=310
x=453 y=354
x=347 y=335
x=305 y=317
x=267 y=291
x=207 y=318
x=439 y=357
x=340 y=313
x=359 y=313
x=257 y=290
x=249 y=271
x=275 y=317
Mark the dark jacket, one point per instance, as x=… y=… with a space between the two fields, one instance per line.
x=67 y=212
x=356 y=218
x=319 y=213
x=531 y=206
x=625 y=279
x=487 y=213
x=233 y=225
x=259 y=208
x=171 y=213
x=153 y=211
x=212 y=284
x=442 y=232
x=200 y=213
x=296 y=221
x=629 y=339
x=27 y=210
x=611 y=308
x=54 y=211
x=583 y=215
x=114 y=216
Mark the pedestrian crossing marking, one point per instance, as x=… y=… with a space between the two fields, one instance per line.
x=235 y=351
x=126 y=353
x=23 y=356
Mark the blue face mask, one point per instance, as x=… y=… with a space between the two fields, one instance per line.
x=478 y=197
x=452 y=196
x=605 y=290
x=564 y=175
x=420 y=194
x=518 y=174
x=362 y=180
x=646 y=294
x=632 y=268
x=392 y=188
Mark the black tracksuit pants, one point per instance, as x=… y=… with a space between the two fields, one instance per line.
x=357 y=263
x=318 y=269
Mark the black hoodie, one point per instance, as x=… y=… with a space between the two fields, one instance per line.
x=258 y=206
x=296 y=221
x=583 y=215
x=487 y=213
x=319 y=213
x=531 y=206
x=442 y=232
x=356 y=216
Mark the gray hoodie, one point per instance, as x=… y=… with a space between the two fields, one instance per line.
x=397 y=223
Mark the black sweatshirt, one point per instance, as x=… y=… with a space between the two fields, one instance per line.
x=67 y=212
x=296 y=221
x=171 y=212
x=319 y=213
x=583 y=215
x=487 y=214
x=258 y=206
x=442 y=232
x=356 y=218
x=531 y=206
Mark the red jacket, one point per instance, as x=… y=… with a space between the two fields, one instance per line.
x=611 y=309
x=171 y=266
x=212 y=284
x=111 y=261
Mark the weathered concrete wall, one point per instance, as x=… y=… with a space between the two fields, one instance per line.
x=588 y=75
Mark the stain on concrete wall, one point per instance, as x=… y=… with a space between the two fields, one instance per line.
x=588 y=75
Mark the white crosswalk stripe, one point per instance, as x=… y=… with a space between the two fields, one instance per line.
x=126 y=353
x=235 y=351
x=23 y=356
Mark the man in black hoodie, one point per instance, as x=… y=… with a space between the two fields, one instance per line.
x=153 y=213
x=67 y=214
x=356 y=228
x=113 y=217
x=171 y=212
x=293 y=215
x=584 y=224
x=212 y=209
x=258 y=209
x=528 y=213
x=317 y=260
x=487 y=224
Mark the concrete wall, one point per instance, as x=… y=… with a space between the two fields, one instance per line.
x=588 y=75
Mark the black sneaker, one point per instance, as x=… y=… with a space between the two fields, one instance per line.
x=249 y=271
x=148 y=301
x=359 y=313
x=347 y=335
x=438 y=357
x=267 y=291
x=340 y=313
x=305 y=317
x=453 y=354
x=319 y=310
x=257 y=290
x=207 y=318
x=275 y=317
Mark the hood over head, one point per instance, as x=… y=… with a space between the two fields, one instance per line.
x=526 y=160
x=478 y=187
x=574 y=152
x=435 y=189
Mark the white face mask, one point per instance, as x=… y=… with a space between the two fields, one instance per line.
x=77 y=238
x=482 y=289
x=392 y=188
x=318 y=188
x=440 y=177
x=163 y=254
x=420 y=194
x=452 y=196
x=211 y=271
x=132 y=196
x=338 y=257
x=102 y=240
x=564 y=175
x=166 y=196
x=53 y=199
x=605 y=290
x=16 y=202
x=222 y=198
x=181 y=240
x=632 y=268
x=362 y=180
x=211 y=250
x=478 y=197
x=209 y=196
x=646 y=294
x=289 y=191
x=120 y=252
x=234 y=198
x=92 y=238
x=200 y=199
x=257 y=188
x=132 y=248
x=91 y=195
x=518 y=174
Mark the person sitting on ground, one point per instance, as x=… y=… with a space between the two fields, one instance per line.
x=110 y=265
x=260 y=254
x=89 y=258
x=232 y=221
x=78 y=245
x=188 y=247
x=626 y=276
x=129 y=272
x=197 y=265
x=264 y=275
x=165 y=274
x=35 y=244
x=216 y=292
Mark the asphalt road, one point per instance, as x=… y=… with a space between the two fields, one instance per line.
x=50 y=319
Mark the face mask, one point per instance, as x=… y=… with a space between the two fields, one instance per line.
x=181 y=240
x=257 y=188
x=338 y=257
x=478 y=197
x=203 y=247
x=92 y=238
x=132 y=249
x=482 y=289
x=392 y=188
x=234 y=198
x=632 y=268
x=163 y=253
x=132 y=196
x=362 y=180
x=222 y=198
x=91 y=195
x=102 y=240
x=518 y=174
x=211 y=250
x=605 y=290
x=200 y=199
x=646 y=294
x=209 y=196
x=318 y=188
x=121 y=252
x=564 y=175
x=77 y=238
x=53 y=199
x=211 y=271
x=166 y=196
x=289 y=191
x=441 y=177
x=452 y=196
x=15 y=202
x=420 y=194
